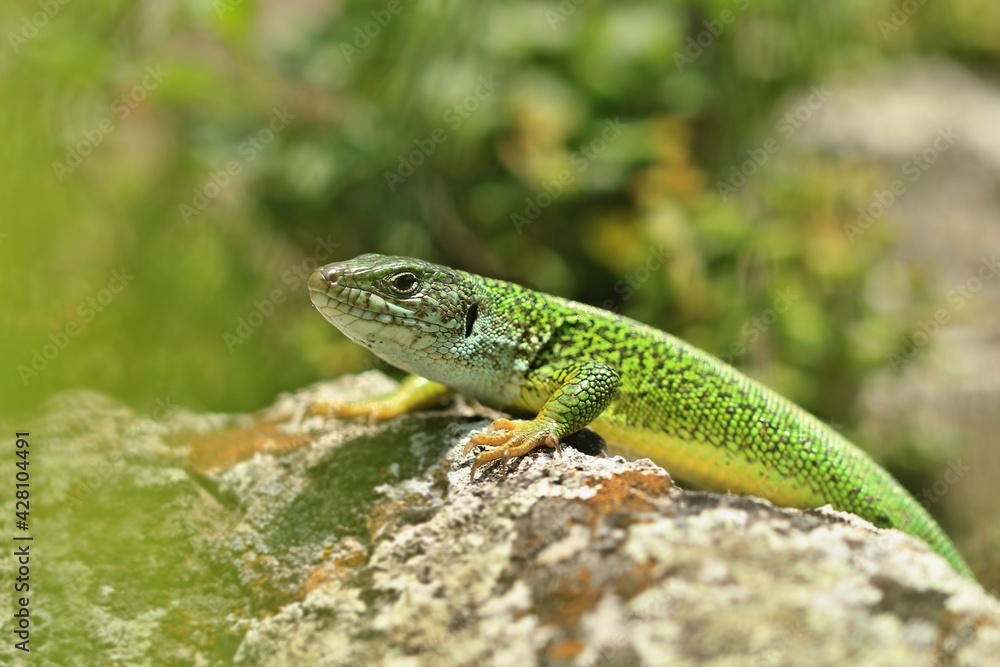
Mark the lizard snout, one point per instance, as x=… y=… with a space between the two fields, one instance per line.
x=326 y=275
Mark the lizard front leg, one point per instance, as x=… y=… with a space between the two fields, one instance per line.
x=582 y=392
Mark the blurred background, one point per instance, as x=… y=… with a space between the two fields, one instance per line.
x=805 y=189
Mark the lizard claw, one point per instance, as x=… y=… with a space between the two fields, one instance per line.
x=553 y=442
x=495 y=435
x=501 y=425
x=507 y=438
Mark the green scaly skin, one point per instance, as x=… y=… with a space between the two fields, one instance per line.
x=575 y=365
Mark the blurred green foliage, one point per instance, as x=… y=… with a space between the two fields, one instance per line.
x=248 y=137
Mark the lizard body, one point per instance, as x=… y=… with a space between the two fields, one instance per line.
x=575 y=365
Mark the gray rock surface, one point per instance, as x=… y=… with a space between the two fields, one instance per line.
x=212 y=539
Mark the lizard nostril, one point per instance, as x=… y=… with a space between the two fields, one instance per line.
x=324 y=277
x=332 y=271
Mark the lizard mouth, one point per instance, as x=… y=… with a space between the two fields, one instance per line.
x=342 y=304
x=339 y=302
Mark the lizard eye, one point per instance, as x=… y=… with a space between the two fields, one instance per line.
x=404 y=283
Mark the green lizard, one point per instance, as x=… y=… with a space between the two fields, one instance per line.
x=574 y=365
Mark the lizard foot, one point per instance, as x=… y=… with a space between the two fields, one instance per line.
x=506 y=438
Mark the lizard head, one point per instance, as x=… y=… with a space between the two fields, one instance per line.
x=409 y=312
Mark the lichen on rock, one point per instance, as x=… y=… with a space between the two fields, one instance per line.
x=328 y=542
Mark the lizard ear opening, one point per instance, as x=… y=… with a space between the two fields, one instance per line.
x=470 y=318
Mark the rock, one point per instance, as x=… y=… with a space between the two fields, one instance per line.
x=218 y=540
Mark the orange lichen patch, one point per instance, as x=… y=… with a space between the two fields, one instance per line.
x=223 y=449
x=350 y=560
x=630 y=490
x=585 y=601
x=268 y=594
x=337 y=568
x=567 y=598
x=564 y=650
x=640 y=578
x=317 y=577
